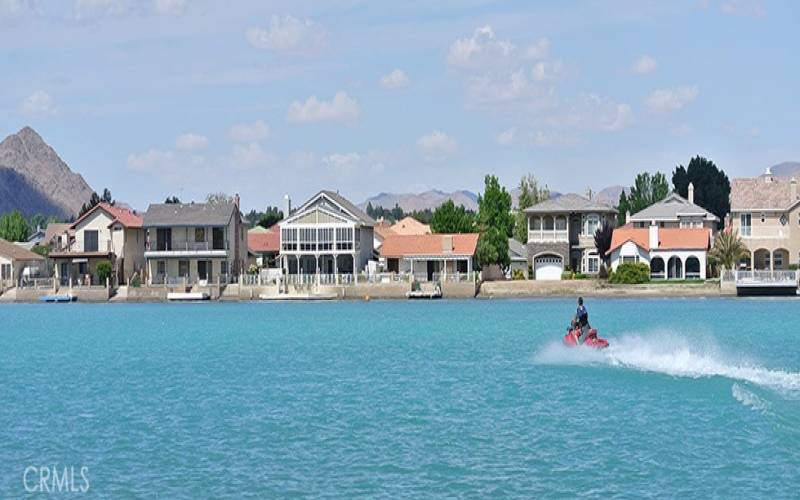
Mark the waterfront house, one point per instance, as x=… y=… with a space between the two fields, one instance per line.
x=264 y=245
x=765 y=211
x=410 y=226
x=194 y=242
x=675 y=211
x=17 y=262
x=326 y=235
x=671 y=253
x=104 y=233
x=519 y=258
x=380 y=230
x=561 y=235
x=430 y=257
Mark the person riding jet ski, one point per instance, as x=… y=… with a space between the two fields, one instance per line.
x=582 y=318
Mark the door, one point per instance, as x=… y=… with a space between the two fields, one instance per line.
x=202 y=269
x=164 y=238
x=548 y=267
x=431 y=269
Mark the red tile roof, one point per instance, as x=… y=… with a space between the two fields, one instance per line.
x=123 y=216
x=668 y=238
x=396 y=245
x=266 y=241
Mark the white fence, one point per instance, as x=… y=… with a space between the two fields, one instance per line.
x=783 y=277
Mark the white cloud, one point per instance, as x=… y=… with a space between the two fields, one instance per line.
x=170 y=7
x=249 y=132
x=395 y=80
x=88 y=9
x=288 y=35
x=437 y=145
x=191 y=142
x=538 y=50
x=748 y=8
x=343 y=162
x=252 y=156
x=12 y=9
x=548 y=71
x=645 y=64
x=667 y=100
x=506 y=137
x=342 y=108
x=373 y=162
x=40 y=104
x=479 y=50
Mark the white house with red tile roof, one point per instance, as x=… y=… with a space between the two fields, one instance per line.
x=671 y=253
x=264 y=245
x=430 y=257
x=104 y=233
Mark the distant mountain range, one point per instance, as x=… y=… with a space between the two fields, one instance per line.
x=34 y=179
x=786 y=169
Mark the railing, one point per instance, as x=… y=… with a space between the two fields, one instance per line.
x=539 y=235
x=42 y=283
x=764 y=232
x=780 y=277
x=454 y=277
x=186 y=246
x=660 y=275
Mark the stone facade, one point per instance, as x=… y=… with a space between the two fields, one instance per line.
x=555 y=247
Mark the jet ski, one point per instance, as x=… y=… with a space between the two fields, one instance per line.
x=572 y=339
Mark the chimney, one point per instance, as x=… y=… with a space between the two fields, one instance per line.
x=287 y=206
x=691 y=192
x=793 y=189
x=768 y=175
x=653 y=235
x=627 y=216
x=447 y=243
x=236 y=200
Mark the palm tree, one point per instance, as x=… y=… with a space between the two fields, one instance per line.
x=728 y=249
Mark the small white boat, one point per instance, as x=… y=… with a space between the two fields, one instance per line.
x=187 y=296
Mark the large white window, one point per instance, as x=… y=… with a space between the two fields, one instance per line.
x=289 y=239
x=326 y=238
x=592 y=264
x=591 y=225
x=630 y=259
x=746 y=221
x=344 y=238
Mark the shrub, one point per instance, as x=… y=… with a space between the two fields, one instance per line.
x=603 y=272
x=253 y=269
x=631 y=273
x=136 y=281
x=104 y=270
x=579 y=276
x=567 y=275
x=517 y=274
x=793 y=267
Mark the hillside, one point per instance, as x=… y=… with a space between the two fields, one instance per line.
x=420 y=201
x=34 y=179
x=786 y=169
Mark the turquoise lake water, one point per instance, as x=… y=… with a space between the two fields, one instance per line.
x=694 y=398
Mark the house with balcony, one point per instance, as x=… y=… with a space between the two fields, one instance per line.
x=561 y=235
x=672 y=253
x=104 y=233
x=194 y=243
x=327 y=235
x=674 y=211
x=765 y=211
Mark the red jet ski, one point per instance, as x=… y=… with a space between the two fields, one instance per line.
x=572 y=339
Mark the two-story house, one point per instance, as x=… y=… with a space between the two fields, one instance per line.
x=561 y=234
x=765 y=211
x=675 y=212
x=104 y=233
x=326 y=235
x=194 y=242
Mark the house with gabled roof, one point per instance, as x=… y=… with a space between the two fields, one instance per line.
x=104 y=233
x=430 y=257
x=675 y=211
x=17 y=262
x=561 y=234
x=671 y=253
x=326 y=236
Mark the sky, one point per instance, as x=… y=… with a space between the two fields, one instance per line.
x=155 y=98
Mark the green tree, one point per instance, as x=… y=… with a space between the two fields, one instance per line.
x=530 y=193
x=218 y=198
x=602 y=240
x=495 y=223
x=270 y=217
x=712 y=188
x=623 y=207
x=449 y=218
x=14 y=227
x=728 y=249
x=646 y=190
x=172 y=200
x=104 y=270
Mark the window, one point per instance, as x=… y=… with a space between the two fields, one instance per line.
x=288 y=239
x=326 y=238
x=561 y=223
x=784 y=220
x=344 y=238
x=592 y=264
x=218 y=241
x=763 y=217
x=308 y=239
x=90 y=243
x=630 y=259
x=746 y=223
x=5 y=272
x=183 y=268
x=161 y=267
x=536 y=223
x=223 y=267
x=592 y=224
x=199 y=234
x=777 y=260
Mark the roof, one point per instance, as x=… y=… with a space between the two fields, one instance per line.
x=126 y=217
x=189 y=214
x=17 y=252
x=264 y=241
x=517 y=250
x=670 y=208
x=569 y=202
x=668 y=238
x=350 y=207
x=54 y=229
x=410 y=225
x=400 y=245
x=382 y=229
x=761 y=193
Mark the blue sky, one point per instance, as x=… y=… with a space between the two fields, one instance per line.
x=161 y=97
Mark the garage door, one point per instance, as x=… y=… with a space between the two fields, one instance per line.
x=548 y=268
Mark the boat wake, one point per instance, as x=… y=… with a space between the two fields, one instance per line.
x=674 y=355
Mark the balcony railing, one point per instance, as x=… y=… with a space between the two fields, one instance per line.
x=186 y=246
x=764 y=232
x=781 y=277
x=542 y=235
